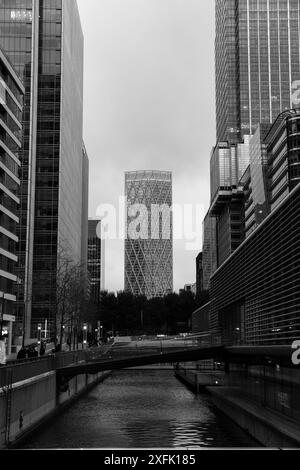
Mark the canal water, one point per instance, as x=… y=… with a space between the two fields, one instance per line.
x=140 y=409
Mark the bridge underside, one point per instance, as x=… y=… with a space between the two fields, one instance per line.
x=143 y=360
x=244 y=354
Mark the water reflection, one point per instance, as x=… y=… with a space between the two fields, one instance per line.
x=134 y=409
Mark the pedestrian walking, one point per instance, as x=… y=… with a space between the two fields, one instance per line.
x=42 y=349
x=22 y=354
x=32 y=352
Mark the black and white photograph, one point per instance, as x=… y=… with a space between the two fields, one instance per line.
x=149 y=228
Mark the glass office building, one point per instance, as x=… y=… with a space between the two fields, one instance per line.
x=43 y=40
x=228 y=164
x=255 y=292
x=257 y=61
x=149 y=229
x=283 y=143
x=255 y=183
x=11 y=105
x=95 y=260
x=199 y=275
x=274 y=168
x=84 y=212
x=209 y=250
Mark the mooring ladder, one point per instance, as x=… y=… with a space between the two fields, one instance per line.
x=7 y=390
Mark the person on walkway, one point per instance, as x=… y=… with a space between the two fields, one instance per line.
x=42 y=349
x=32 y=352
x=22 y=354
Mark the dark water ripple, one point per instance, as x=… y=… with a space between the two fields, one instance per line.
x=134 y=409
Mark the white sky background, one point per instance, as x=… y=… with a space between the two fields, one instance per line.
x=149 y=103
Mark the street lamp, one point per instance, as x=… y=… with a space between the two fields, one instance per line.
x=39 y=338
x=2 y=314
x=85 y=334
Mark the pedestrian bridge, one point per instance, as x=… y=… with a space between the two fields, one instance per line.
x=142 y=353
x=122 y=356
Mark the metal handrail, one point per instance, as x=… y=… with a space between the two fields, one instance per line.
x=24 y=369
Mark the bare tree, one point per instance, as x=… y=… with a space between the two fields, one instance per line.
x=70 y=294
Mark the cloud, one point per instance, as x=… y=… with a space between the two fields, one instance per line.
x=149 y=104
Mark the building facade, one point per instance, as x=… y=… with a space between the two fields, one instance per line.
x=272 y=172
x=283 y=143
x=199 y=274
x=255 y=174
x=84 y=213
x=255 y=292
x=255 y=183
x=274 y=168
x=209 y=251
x=201 y=319
x=228 y=164
x=149 y=233
x=192 y=288
x=11 y=107
x=257 y=62
x=96 y=260
x=43 y=40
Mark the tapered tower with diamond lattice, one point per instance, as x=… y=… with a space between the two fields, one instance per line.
x=149 y=229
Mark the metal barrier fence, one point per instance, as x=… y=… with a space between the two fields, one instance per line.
x=18 y=371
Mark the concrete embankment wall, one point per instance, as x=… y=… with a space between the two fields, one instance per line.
x=198 y=381
x=32 y=402
x=266 y=425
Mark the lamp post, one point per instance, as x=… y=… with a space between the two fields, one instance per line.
x=85 y=328
x=39 y=334
x=2 y=314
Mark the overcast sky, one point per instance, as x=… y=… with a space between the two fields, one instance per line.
x=149 y=103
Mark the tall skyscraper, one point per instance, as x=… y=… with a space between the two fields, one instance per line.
x=149 y=229
x=257 y=61
x=96 y=260
x=43 y=40
x=255 y=294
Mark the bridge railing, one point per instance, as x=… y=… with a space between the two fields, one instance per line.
x=21 y=370
x=174 y=344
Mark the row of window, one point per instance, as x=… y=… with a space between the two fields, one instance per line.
x=7 y=265
x=6 y=285
x=11 y=83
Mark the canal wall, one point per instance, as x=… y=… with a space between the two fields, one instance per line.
x=27 y=405
x=265 y=425
x=256 y=400
x=199 y=381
